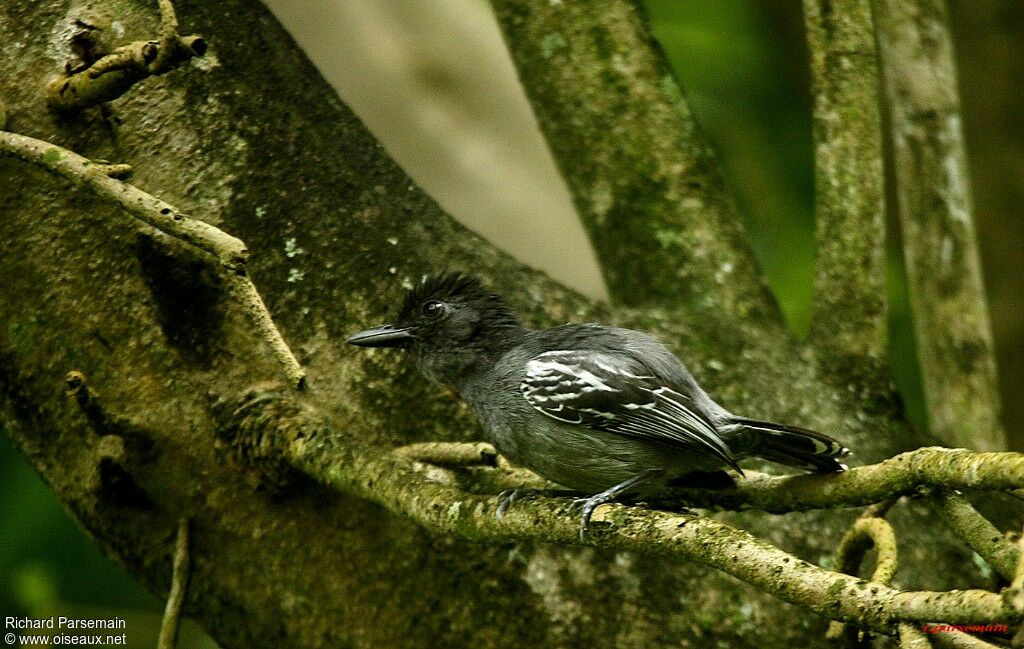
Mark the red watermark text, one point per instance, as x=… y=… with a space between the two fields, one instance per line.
x=966 y=628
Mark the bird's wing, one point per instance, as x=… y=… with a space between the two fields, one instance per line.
x=614 y=393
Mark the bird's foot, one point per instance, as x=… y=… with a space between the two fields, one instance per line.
x=587 y=507
x=509 y=496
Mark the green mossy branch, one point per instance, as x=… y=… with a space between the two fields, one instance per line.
x=909 y=473
x=179 y=588
x=870 y=530
x=298 y=437
x=990 y=544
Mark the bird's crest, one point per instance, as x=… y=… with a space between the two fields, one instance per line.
x=461 y=288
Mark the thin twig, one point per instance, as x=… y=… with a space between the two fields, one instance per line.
x=228 y=250
x=246 y=294
x=451 y=454
x=179 y=587
x=868 y=530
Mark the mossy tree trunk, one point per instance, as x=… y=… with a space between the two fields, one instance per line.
x=251 y=140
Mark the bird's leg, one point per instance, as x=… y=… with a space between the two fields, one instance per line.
x=509 y=496
x=588 y=505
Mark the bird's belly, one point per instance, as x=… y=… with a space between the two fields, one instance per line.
x=586 y=460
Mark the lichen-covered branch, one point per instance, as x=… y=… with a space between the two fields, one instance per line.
x=980 y=534
x=947 y=294
x=848 y=326
x=164 y=217
x=296 y=436
x=662 y=223
x=905 y=474
x=867 y=531
x=228 y=250
x=113 y=74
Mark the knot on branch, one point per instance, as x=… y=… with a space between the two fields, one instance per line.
x=102 y=423
x=258 y=426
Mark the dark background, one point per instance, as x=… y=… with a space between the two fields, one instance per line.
x=744 y=66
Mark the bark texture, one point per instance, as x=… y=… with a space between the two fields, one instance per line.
x=954 y=336
x=252 y=141
x=849 y=320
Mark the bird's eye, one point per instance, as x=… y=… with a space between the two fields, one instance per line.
x=434 y=309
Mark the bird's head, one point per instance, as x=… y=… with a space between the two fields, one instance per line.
x=450 y=322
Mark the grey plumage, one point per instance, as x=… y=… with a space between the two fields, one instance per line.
x=592 y=408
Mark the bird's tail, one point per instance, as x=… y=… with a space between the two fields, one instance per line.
x=789 y=445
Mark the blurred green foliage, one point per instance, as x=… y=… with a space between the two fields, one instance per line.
x=46 y=560
x=745 y=68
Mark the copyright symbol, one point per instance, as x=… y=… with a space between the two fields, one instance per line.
x=10 y=638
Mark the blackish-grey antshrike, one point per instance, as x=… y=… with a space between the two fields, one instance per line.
x=600 y=410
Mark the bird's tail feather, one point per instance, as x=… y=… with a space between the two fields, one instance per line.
x=788 y=445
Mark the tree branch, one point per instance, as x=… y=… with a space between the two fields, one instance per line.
x=906 y=474
x=980 y=534
x=947 y=294
x=662 y=224
x=296 y=436
x=229 y=251
x=848 y=326
x=871 y=529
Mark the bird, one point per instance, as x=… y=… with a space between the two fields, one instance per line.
x=603 y=411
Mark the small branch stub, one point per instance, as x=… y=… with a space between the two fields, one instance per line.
x=112 y=75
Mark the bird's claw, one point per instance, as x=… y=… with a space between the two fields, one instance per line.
x=505 y=498
x=509 y=496
x=587 y=507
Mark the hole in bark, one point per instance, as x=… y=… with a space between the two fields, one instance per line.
x=188 y=296
x=118 y=487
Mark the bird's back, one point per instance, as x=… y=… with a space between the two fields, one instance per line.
x=577 y=455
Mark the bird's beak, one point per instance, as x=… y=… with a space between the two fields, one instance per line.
x=384 y=336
